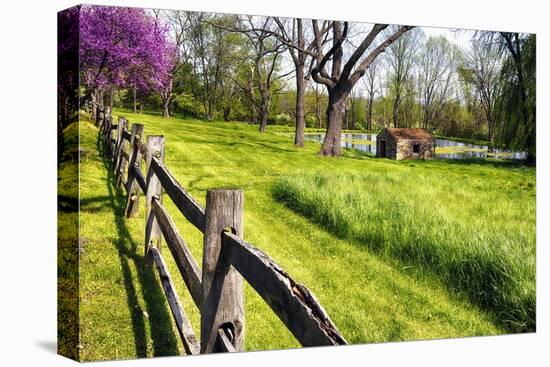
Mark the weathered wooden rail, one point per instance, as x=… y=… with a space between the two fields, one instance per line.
x=217 y=289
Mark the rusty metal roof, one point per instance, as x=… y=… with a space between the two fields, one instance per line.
x=408 y=133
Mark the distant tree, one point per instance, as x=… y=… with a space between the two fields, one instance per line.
x=484 y=63
x=470 y=96
x=371 y=87
x=204 y=59
x=436 y=71
x=179 y=28
x=401 y=57
x=263 y=60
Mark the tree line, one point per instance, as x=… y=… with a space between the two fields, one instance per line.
x=328 y=74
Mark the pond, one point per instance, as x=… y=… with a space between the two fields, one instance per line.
x=444 y=149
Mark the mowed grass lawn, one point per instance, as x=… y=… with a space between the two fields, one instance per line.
x=371 y=298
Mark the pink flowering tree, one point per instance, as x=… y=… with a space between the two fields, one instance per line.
x=123 y=48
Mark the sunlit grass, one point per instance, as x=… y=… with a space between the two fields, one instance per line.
x=371 y=298
x=474 y=229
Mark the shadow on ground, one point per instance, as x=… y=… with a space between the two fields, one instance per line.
x=48 y=345
x=164 y=342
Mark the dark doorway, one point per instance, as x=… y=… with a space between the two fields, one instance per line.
x=382 y=148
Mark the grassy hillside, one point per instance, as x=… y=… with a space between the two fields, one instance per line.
x=369 y=297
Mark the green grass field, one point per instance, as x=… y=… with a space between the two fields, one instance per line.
x=474 y=231
x=371 y=297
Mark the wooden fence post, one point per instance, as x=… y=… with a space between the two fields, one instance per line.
x=153 y=234
x=94 y=115
x=123 y=162
x=121 y=127
x=106 y=123
x=222 y=291
x=98 y=114
x=107 y=137
x=107 y=112
x=132 y=188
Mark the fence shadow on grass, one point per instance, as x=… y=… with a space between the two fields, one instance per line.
x=164 y=341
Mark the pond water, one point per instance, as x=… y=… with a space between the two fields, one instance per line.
x=444 y=149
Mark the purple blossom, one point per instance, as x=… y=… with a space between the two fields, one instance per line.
x=123 y=47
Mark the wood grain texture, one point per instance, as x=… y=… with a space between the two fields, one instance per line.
x=118 y=157
x=131 y=209
x=185 y=261
x=224 y=342
x=140 y=179
x=155 y=148
x=295 y=305
x=222 y=290
x=142 y=148
x=123 y=158
x=189 y=340
x=122 y=125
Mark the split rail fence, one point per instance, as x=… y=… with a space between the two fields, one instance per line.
x=217 y=289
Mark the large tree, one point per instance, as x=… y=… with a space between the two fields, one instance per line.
x=122 y=47
x=344 y=75
x=517 y=102
x=67 y=73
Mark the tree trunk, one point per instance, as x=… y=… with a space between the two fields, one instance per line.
x=335 y=114
x=490 y=129
x=369 y=114
x=227 y=113
x=318 y=108
x=252 y=118
x=264 y=109
x=530 y=160
x=263 y=118
x=166 y=97
x=135 y=102
x=346 y=115
x=210 y=113
x=111 y=92
x=396 y=110
x=353 y=117
x=300 y=119
x=165 y=109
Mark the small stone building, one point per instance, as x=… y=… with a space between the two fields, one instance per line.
x=405 y=143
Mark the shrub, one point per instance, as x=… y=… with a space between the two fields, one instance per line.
x=282 y=119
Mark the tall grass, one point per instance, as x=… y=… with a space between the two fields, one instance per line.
x=476 y=232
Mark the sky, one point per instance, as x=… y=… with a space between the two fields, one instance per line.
x=461 y=37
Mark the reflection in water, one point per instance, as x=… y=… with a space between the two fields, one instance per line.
x=445 y=149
